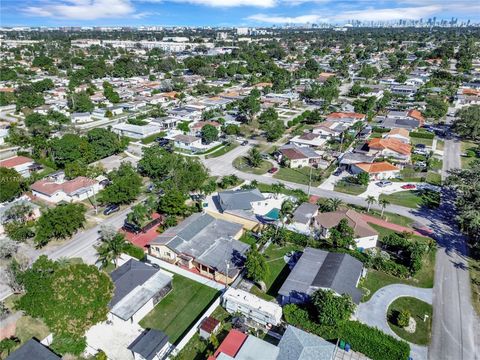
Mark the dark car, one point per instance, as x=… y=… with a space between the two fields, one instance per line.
x=110 y=209
x=105 y=182
x=162 y=141
x=273 y=170
x=244 y=143
x=131 y=228
x=338 y=172
x=420 y=146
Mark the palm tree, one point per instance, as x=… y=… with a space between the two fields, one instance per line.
x=277 y=188
x=285 y=211
x=111 y=250
x=383 y=203
x=254 y=157
x=370 y=200
x=334 y=203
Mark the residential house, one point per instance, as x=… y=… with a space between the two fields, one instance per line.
x=151 y=344
x=399 y=134
x=365 y=236
x=79 y=118
x=318 y=269
x=330 y=129
x=56 y=189
x=377 y=171
x=346 y=117
x=388 y=147
x=302 y=218
x=347 y=159
x=406 y=90
x=187 y=142
x=21 y=164
x=138 y=288
x=308 y=139
x=136 y=131
x=208 y=327
x=409 y=120
x=196 y=128
x=204 y=244
x=33 y=349
x=297 y=157
x=259 y=311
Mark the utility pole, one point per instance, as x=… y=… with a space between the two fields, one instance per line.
x=309 y=181
x=226 y=279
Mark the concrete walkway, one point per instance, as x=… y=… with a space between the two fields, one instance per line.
x=389 y=225
x=374 y=311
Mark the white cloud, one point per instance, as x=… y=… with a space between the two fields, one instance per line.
x=82 y=9
x=407 y=13
x=223 y=3
x=272 y=19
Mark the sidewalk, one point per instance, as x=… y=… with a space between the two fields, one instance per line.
x=389 y=225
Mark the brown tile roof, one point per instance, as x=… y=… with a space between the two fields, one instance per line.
x=341 y=115
x=209 y=324
x=399 y=131
x=50 y=187
x=417 y=115
x=308 y=136
x=390 y=144
x=293 y=154
x=471 y=92
x=361 y=228
x=377 y=167
x=15 y=161
x=201 y=124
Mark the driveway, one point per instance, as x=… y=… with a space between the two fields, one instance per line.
x=374 y=311
x=374 y=190
x=329 y=183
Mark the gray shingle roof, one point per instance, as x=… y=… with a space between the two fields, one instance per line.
x=321 y=269
x=149 y=343
x=297 y=344
x=32 y=349
x=239 y=199
x=304 y=213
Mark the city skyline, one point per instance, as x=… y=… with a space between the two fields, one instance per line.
x=228 y=13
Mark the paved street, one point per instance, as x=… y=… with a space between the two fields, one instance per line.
x=374 y=311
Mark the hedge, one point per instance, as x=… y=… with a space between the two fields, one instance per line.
x=362 y=338
x=422 y=134
x=134 y=251
x=378 y=129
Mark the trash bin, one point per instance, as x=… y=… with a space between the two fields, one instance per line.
x=347 y=347
x=342 y=344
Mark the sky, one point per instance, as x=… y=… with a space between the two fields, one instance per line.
x=226 y=12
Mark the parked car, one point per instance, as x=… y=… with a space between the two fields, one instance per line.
x=384 y=183
x=105 y=182
x=408 y=186
x=273 y=170
x=420 y=146
x=244 y=143
x=131 y=228
x=338 y=172
x=110 y=209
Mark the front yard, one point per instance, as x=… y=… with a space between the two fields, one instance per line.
x=468 y=148
x=300 y=175
x=409 y=198
x=418 y=309
x=180 y=308
x=349 y=188
x=241 y=163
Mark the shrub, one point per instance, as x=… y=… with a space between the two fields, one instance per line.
x=134 y=251
x=422 y=134
x=403 y=318
x=64 y=344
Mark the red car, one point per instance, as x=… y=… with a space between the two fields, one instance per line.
x=273 y=170
x=408 y=186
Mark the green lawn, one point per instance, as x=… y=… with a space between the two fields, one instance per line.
x=241 y=163
x=248 y=239
x=347 y=188
x=196 y=348
x=278 y=270
x=414 y=141
x=440 y=144
x=222 y=151
x=180 y=308
x=418 y=309
x=300 y=175
x=377 y=279
x=409 y=198
x=388 y=216
x=151 y=138
x=468 y=145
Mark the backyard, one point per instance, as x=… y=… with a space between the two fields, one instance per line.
x=180 y=308
x=418 y=309
x=279 y=270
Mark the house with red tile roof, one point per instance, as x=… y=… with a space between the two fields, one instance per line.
x=346 y=117
x=21 y=164
x=399 y=134
x=390 y=148
x=377 y=170
x=56 y=189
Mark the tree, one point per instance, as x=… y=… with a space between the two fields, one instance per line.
x=435 y=108
x=209 y=133
x=139 y=214
x=231 y=129
x=363 y=178
x=59 y=222
x=249 y=106
x=403 y=318
x=274 y=129
x=105 y=143
x=332 y=309
x=70 y=148
x=69 y=299
x=256 y=266
x=370 y=200
x=172 y=202
x=342 y=235
x=124 y=188
x=80 y=102
x=311 y=65
x=27 y=97
x=383 y=203
x=334 y=203
x=467 y=123
x=110 y=249
x=254 y=157
x=10 y=184
x=110 y=93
